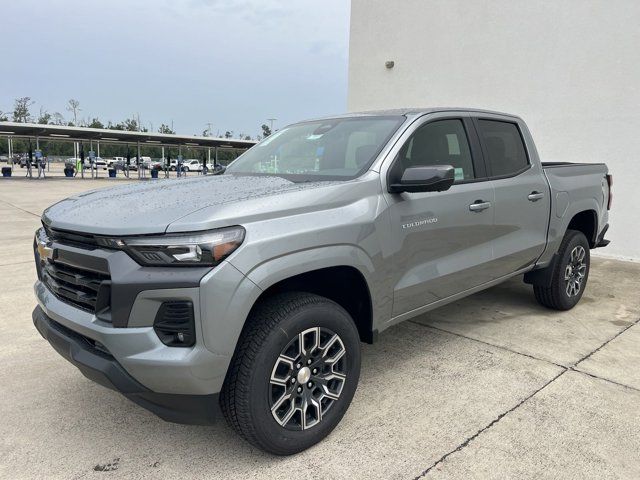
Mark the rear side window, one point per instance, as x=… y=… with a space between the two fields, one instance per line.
x=443 y=142
x=504 y=147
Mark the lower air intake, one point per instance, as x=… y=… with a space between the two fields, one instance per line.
x=174 y=324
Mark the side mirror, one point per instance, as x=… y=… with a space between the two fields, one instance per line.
x=435 y=178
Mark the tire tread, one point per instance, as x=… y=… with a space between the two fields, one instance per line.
x=263 y=319
x=552 y=296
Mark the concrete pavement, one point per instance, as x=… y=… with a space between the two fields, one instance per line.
x=492 y=386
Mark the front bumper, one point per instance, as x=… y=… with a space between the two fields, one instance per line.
x=100 y=366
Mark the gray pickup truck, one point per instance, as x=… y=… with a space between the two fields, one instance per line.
x=252 y=290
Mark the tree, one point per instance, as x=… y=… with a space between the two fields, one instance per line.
x=58 y=119
x=3 y=117
x=95 y=123
x=166 y=129
x=44 y=118
x=228 y=134
x=266 y=131
x=130 y=125
x=21 y=109
x=73 y=106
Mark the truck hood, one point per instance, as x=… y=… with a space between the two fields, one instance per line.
x=150 y=207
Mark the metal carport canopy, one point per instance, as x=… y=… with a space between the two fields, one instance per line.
x=61 y=132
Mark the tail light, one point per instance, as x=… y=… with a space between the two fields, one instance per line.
x=610 y=184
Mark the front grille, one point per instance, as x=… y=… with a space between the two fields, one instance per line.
x=85 y=289
x=74 y=239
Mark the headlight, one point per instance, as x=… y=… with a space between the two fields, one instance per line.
x=197 y=249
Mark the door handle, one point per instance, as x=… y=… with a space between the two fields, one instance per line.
x=535 y=196
x=479 y=205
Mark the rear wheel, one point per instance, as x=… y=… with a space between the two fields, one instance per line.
x=570 y=274
x=294 y=373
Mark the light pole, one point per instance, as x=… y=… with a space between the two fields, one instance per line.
x=271 y=120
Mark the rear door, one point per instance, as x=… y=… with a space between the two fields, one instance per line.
x=441 y=242
x=521 y=209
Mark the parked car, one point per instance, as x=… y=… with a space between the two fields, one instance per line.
x=4 y=158
x=189 y=164
x=116 y=162
x=143 y=162
x=253 y=289
x=192 y=165
x=98 y=162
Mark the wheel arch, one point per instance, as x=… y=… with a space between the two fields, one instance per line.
x=342 y=273
x=585 y=221
x=342 y=284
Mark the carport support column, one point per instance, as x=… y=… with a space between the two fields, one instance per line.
x=39 y=160
x=179 y=162
x=139 y=163
x=91 y=159
x=97 y=156
x=165 y=165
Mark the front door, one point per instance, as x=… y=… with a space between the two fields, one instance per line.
x=441 y=241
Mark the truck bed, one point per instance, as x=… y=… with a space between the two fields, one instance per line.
x=575 y=187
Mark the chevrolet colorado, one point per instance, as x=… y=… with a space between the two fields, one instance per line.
x=253 y=289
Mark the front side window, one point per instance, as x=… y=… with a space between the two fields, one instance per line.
x=504 y=146
x=443 y=142
x=334 y=149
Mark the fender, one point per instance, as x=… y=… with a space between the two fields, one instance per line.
x=558 y=226
x=280 y=268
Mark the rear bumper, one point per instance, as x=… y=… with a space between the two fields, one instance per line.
x=99 y=365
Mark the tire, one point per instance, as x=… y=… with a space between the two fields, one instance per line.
x=268 y=357
x=569 y=276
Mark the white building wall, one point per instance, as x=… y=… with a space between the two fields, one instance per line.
x=570 y=68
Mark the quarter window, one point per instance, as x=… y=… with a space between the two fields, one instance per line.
x=504 y=147
x=443 y=142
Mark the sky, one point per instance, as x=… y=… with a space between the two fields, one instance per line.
x=231 y=63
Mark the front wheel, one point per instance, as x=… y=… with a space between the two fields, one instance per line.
x=570 y=274
x=294 y=373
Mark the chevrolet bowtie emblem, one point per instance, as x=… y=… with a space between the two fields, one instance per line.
x=44 y=251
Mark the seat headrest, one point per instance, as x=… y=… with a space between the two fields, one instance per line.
x=430 y=149
x=364 y=153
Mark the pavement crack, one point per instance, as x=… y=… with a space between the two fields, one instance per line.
x=565 y=369
x=635 y=322
x=487 y=427
x=574 y=369
x=487 y=343
x=21 y=209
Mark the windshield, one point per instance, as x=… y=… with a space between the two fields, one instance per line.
x=334 y=149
